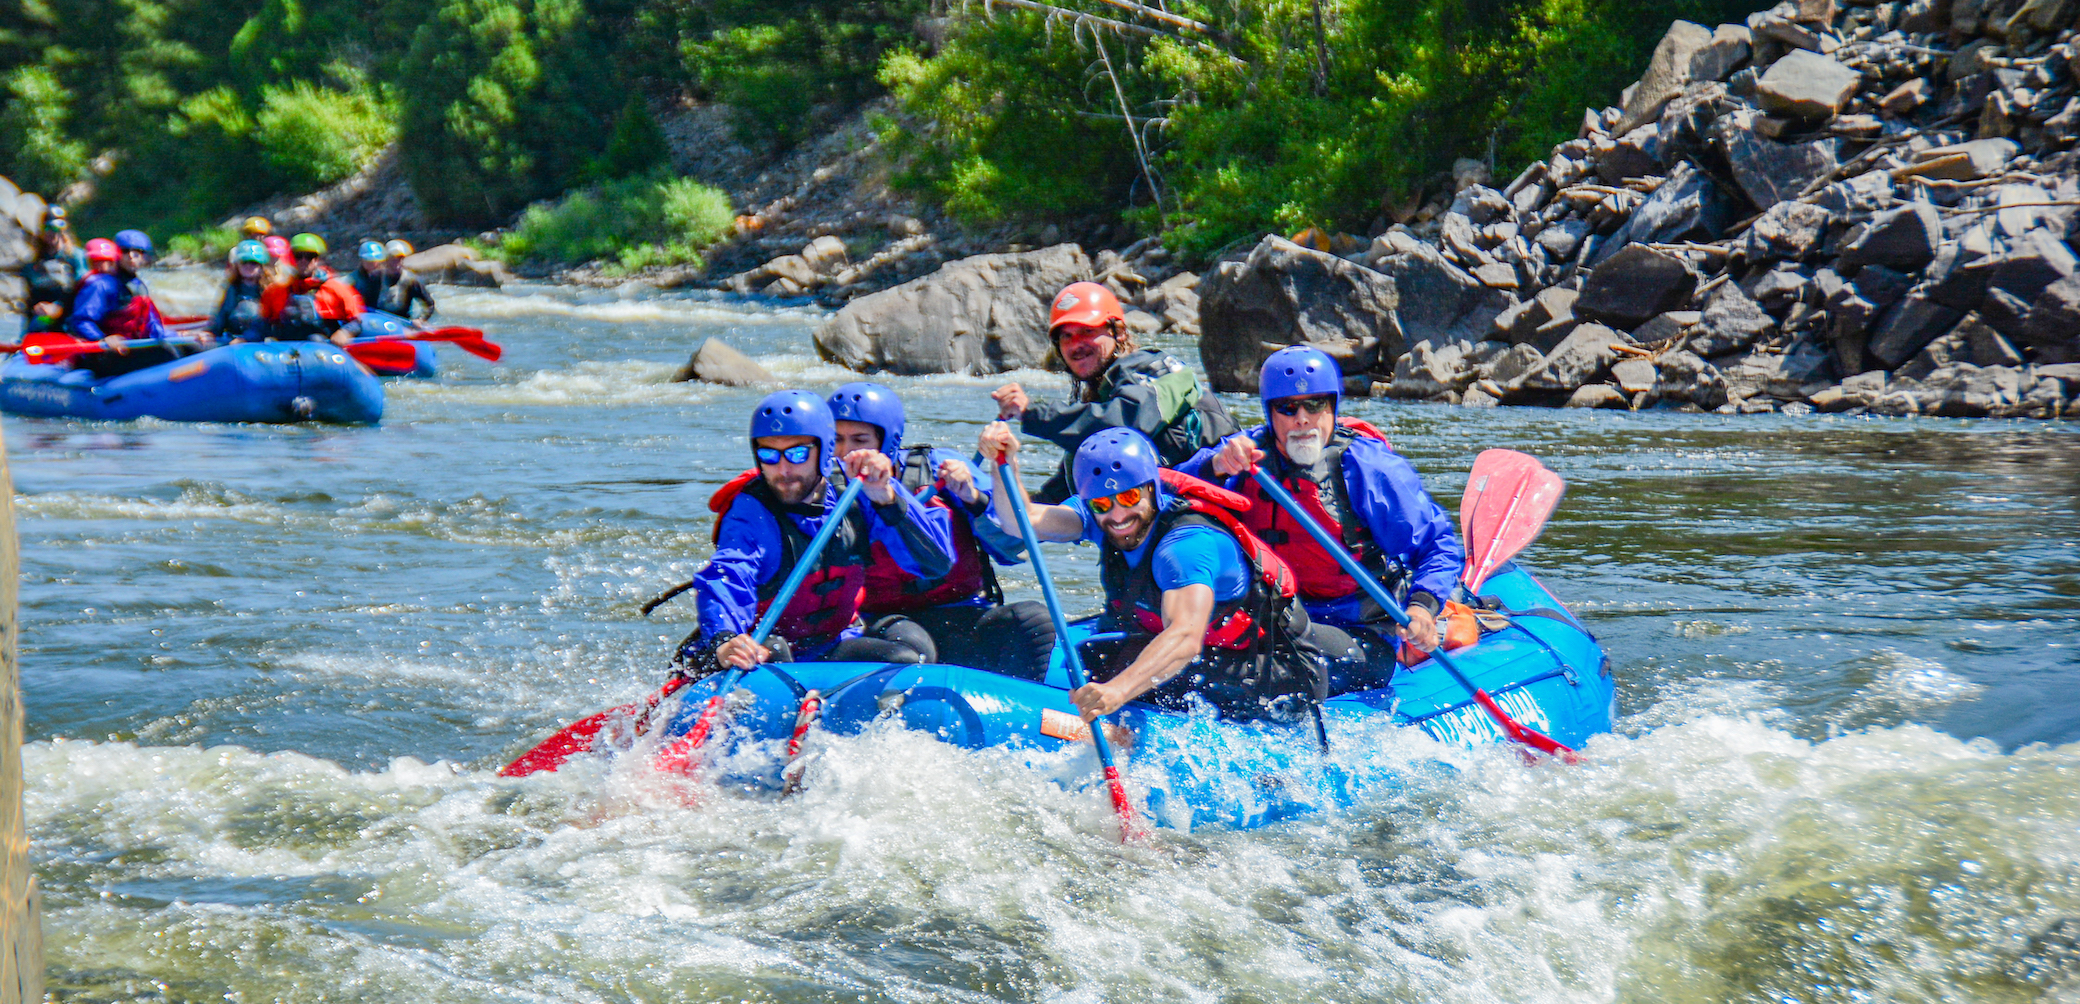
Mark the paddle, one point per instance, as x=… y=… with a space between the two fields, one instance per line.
x=1510 y=726
x=578 y=736
x=59 y=353
x=377 y=326
x=677 y=755
x=469 y=340
x=1129 y=824
x=387 y=353
x=1504 y=486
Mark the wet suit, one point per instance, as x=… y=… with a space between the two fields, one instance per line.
x=112 y=303
x=1374 y=501
x=52 y=279
x=755 y=550
x=1145 y=390
x=964 y=610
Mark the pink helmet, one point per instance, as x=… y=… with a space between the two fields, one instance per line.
x=102 y=249
x=278 y=246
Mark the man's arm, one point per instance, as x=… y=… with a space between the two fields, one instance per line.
x=88 y=307
x=1186 y=612
x=1050 y=522
x=1138 y=406
x=725 y=590
x=1406 y=522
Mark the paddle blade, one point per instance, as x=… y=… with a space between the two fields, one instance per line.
x=385 y=354
x=578 y=736
x=1509 y=497
x=1524 y=734
x=469 y=340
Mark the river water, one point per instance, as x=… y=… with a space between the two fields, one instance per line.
x=270 y=672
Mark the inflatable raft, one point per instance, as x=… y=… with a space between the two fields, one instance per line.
x=254 y=382
x=1545 y=669
x=376 y=324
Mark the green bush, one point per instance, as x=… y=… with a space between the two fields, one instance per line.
x=637 y=145
x=314 y=136
x=635 y=222
x=777 y=61
x=207 y=246
x=35 y=148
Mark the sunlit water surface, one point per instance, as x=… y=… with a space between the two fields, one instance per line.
x=270 y=672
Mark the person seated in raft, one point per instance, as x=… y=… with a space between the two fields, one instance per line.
x=1208 y=609
x=371 y=278
x=406 y=288
x=1117 y=386
x=767 y=518
x=54 y=276
x=963 y=610
x=278 y=246
x=256 y=228
x=114 y=307
x=237 y=316
x=311 y=303
x=1343 y=472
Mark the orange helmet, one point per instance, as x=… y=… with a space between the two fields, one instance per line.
x=1086 y=303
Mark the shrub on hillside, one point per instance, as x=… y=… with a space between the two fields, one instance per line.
x=633 y=223
x=313 y=136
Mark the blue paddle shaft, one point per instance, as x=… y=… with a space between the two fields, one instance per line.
x=806 y=562
x=1070 y=656
x=1350 y=565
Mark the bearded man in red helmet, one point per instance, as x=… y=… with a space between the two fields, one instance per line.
x=1117 y=385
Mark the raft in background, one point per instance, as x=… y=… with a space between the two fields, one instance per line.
x=252 y=382
x=1545 y=669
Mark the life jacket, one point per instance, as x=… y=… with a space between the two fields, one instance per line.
x=1255 y=641
x=1192 y=418
x=134 y=314
x=828 y=600
x=307 y=303
x=1328 y=501
x=893 y=590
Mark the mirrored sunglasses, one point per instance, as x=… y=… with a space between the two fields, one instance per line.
x=796 y=454
x=1311 y=405
x=1128 y=499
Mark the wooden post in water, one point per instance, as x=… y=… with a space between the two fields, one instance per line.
x=21 y=915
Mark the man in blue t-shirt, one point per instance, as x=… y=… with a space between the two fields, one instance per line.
x=1209 y=611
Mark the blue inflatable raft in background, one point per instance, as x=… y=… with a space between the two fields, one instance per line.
x=1545 y=669
x=253 y=382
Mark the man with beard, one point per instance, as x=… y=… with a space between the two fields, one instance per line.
x=1117 y=385
x=765 y=521
x=1209 y=610
x=1343 y=472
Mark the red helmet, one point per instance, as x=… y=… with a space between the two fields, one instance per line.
x=1085 y=303
x=102 y=249
x=278 y=246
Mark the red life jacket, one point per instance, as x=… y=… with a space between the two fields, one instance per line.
x=828 y=600
x=1236 y=625
x=893 y=590
x=134 y=318
x=1328 y=501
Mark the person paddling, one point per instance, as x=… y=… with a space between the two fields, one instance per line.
x=1344 y=473
x=54 y=276
x=964 y=610
x=312 y=303
x=766 y=518
x=1209 y=610
x=238 y=316
x=405 y=289
x=114 y=307
x=1117 y=386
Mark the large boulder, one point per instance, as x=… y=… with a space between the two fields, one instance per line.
x=1768 y=171
x=1667 y=71
x=1806 y=85
x=458 y=264
x=1902 y=239
x=1687 y=207
x=716 y=362
x=1635 y=284
x=1581 y=358
x=1438 y=301
x=984 y=314
x=1731 y=322
x=1285 y=294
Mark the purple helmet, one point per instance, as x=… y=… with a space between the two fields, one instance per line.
x=1299 y=371
x=873 y=405
x=796 y=413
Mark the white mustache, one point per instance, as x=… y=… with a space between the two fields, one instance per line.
x=1304 y=447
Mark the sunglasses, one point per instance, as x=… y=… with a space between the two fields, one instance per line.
x=796 y=454
x=1311 y=405
x=1128 y=499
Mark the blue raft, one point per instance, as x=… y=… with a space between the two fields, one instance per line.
x=1545 y=669
x=254 y=382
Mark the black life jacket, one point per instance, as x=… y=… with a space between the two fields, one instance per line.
x=828 y=600
x=1255 y=644
x=1328 y=501
x=1197 y=418
x=893 y=590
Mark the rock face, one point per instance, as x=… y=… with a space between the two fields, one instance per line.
x=458 y=264
x=21 y=216
x=716 y=362
x=984 y=314
x=1836 y=206
x=1285 y=294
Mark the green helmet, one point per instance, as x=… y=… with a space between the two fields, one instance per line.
x=251 y=251
x=307 y=244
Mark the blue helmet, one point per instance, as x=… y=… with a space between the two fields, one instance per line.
x=874 y=405
x=1115 y=460
x=1299 y=371
x=796 y=413
x=133 y=240
x=373 y=251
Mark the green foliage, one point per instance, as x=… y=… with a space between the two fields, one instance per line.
x=777 y=60
x=35 y=148
x=313 y=136
x=634 y=222
x=209 y=245
x=637 y=145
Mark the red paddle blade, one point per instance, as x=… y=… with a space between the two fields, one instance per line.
x=578 y=736
x=386 y=354
x=60 y=353
x=470 y=340
x=1509 y=497
x=1524 y=734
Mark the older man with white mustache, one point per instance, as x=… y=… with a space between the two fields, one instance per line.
x=1343 y=472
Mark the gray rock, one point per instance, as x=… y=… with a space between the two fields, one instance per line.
x=1439 y=301
x=1141 y=322
x=1687 y=207
x=717 y=362
x=1911 y=324
x=1635 y=375
x=1858 y=196
x=1667 y=71
x=1792 y=231
x=1962 y=390
x=984 y=314
x=29 y=211
x=1285 y=294
x=1663 y=327
x=1731 y=322
x=1807 y=85
x=2033 y=262
x=1727 y=50
x=2054 y=319
x=1980 y=158
x=1598 y=395
x=1686 y=376
x=1474 y=397
x=1581 y=358
x=1768 y=171
x=1958 y=276
x=1430 y=369
x=17 y=246
x=457 y=264
x=1635 y=284
x=1950 y=348
x=1511 y=366
x=2005 y=312
x=1880 y=285
x=1987 y=346
x=1561 y=240
x=1903 y=239
x=1636 y=154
